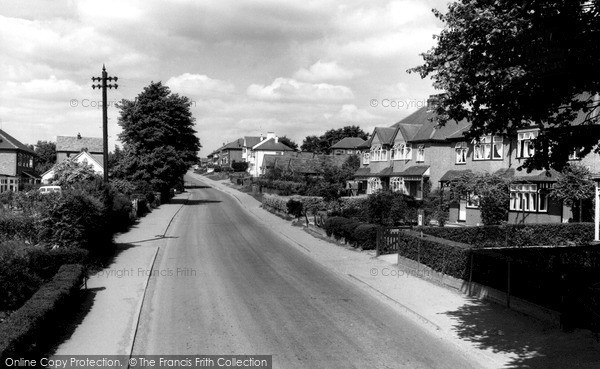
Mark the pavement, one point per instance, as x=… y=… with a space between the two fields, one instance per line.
x=117 y=291
x=496 y=336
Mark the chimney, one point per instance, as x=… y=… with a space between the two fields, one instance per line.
x=79 y=136
x=432 y=102
x=261 y=137
x=271 y=135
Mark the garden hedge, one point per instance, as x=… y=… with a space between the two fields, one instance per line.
x=517 y=235
x=21 y=331
x=448 y=257
x=366 y=236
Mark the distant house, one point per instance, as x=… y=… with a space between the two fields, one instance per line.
x=70 y=146
x=16 y=164
x=227 y=154
x=255 y=148
x=348 y=145
x=82 y=157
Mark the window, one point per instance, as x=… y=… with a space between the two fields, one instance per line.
x=488 y=148
x=525 y=144
x=461 y=153
x=397 y=185
x=378 y=154
x=575 y=155
x=420 y=153
x=527 y=197
x=472 y=200
x=402 y=152
x=373 y=185
x=366 y=157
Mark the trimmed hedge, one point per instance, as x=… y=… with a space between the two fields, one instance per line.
x=365 y=236
x=358 y=234
x=274 y=202
x=18 y=227
x=441 y=255
x=516 y=235
x=20 y=332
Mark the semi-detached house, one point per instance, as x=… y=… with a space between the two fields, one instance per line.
x=414 y=156
x=255 y=148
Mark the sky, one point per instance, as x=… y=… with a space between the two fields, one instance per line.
x=296 y=68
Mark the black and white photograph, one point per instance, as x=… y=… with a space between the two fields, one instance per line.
x=300 y=184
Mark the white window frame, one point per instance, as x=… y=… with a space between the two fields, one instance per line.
x=461 y=153
x=490 y=147
x=397 y=184
x=473 y=200
x=528 y=197
x=420 y=153
x=525 y=144
x=402 y=151
x=366 y=157
x=378 y=153
x=374 y=184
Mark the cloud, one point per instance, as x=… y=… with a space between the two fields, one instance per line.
x=199 y=85
x=288 y=89
x=324 y=71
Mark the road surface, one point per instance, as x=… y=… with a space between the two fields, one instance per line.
x=226 y=284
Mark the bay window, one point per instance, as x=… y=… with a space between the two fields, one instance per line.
x=525 y=144
x=488 y=148
x=528 y=197
x=378 y=153
x=461 y=152
x=402 y=152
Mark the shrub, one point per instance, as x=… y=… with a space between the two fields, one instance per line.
x=333 y=226
x=120 y=214
x=17 y=227
x=239 y=166
x=21 y=331
x=347 y=230
x=441 y=255
x=517 y=235
x=295 y=208
x=17 y=282
x=75 y=219
x=354 y=207
x=274 y=202
x=390 y=208
x=46 y=262
x=365 y=236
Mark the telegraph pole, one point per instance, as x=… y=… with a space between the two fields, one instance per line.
x=103 y=85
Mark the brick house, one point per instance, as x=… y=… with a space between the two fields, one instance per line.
x=414 y=154
x=16 y=164
x=227 y=154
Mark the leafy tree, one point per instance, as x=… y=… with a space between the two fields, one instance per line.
x=323 y=143
x=46 y=155
x=505 y=65
x=71 y=172
x=574 y=186
x=239 y=166
x=492 y=191
x=159 y=141
x=312 y=144
x=114 y=158
x=288 y=142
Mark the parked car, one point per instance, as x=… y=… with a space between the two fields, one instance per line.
x=50 y=189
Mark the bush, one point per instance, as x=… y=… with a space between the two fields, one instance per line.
x=444 y=256
x=17 y=282
x=365 y=236
x=274 y=202
x=333 y=226
x=17 y=227
x=21 y=331
x=75 y=219
x=239 y=166
x=347 y=230
x=120 y=214
x=295 y=208
x=354 y=207
x=390 y=208
x=517 y=235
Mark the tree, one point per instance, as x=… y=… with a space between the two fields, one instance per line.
x=574 y=186
x=323 y=143
x=312 y=144
x=490 y=191
x=71 y=172
x=159 y=141
x=114 y=158
x=46 y=156
x=288 y=142
x=505 y=65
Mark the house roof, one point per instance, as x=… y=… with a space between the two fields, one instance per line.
x=78 y=143
x=348 y=143
x=451 y=175
x=251 y=141
x=415 y=170
x=271 y=145
x=233 y=145
x=9 y=142
x=308 y=164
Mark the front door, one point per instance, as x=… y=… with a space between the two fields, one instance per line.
x=462 y=210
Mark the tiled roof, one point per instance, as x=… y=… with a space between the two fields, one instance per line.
x=234 y=145
x=415 y=170
x=363 y=172
x=348 y=143
x=251 y=141
x=303 y=164
x=77 y=143
x=386 y=134
x=451 y=175
x=271 y=145
x=408 y=131
x=428 y=129
x=9 y=142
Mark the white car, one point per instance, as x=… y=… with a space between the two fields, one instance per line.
x=50 y=189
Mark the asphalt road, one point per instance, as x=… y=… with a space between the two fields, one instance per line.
x=226 y=284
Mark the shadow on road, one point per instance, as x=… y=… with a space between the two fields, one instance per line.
x=491 y=326
x=193 y=202
x=193 y=187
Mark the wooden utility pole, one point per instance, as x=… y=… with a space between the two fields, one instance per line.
x=103 y=85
